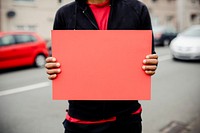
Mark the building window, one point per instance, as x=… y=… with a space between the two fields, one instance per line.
x=24 y=0
x=169 y=18
x=193 y=17
x=171 y=0
x=26 y=28
x=154 y=0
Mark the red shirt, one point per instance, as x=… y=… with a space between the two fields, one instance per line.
x=75 y=120
x=101 y=13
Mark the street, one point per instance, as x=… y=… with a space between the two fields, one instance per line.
x=26 y=104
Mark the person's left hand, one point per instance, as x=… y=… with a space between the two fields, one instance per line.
x=150 y=64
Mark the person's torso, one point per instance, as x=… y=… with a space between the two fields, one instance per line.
x=124 y=15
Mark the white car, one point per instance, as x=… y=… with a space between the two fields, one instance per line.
x=186 y=45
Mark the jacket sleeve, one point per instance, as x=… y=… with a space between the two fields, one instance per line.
x=146 y=24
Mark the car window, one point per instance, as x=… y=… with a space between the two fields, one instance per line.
x=164 y=29
x=24 y=38
x=170 y=30
x=158 y=29
x=33 y=38
x=7 y=40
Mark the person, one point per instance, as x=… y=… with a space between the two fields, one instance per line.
x=90 y=116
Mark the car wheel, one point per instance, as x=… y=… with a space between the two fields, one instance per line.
x=174 y=58
x=40 y=60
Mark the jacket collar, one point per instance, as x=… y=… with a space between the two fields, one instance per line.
x=83 y=3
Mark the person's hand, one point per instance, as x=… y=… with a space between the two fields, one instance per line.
x=150 y=64
x=53 y=67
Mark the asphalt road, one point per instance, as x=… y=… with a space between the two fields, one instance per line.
x=26 y=104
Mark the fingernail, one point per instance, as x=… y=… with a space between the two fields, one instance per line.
x=59 y=70
x=54 y=76
x=57 y=64
x=144 y=61
x=53 y=59
x=143 y=67
x=147 y=57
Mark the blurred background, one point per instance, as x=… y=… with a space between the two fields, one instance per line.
x=38 y=15
x=26 y=104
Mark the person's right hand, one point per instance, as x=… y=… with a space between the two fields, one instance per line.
x=53 y=67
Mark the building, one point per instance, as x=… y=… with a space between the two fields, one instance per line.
x=38 y=15
x=179 y=13
x=29 y=15
x=188 y=13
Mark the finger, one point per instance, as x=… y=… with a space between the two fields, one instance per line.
x=150 y=61
x=50 y=59
x=152 y=56
x=53 y=71
x=151 y=68
x=150 y=72
x=52 y=65
x=52 y=77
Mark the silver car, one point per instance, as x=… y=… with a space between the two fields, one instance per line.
x=186 y=45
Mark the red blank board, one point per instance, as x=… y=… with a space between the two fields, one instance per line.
x=101 y=64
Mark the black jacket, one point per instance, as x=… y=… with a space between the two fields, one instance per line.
x=124 y=15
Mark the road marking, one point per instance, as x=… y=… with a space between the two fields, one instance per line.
x=164 y=58
x=25 y=88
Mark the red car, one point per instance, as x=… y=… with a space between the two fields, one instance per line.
x=22 y=49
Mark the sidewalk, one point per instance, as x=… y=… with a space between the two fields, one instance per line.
x=178 y=127
x=194 y=127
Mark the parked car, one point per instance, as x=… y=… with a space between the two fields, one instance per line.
x=22 y=49
x=163 y=35
x=186 y=45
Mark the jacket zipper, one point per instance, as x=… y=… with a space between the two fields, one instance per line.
x=90 y=20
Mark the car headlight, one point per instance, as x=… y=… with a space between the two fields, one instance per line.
x=172 y=45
